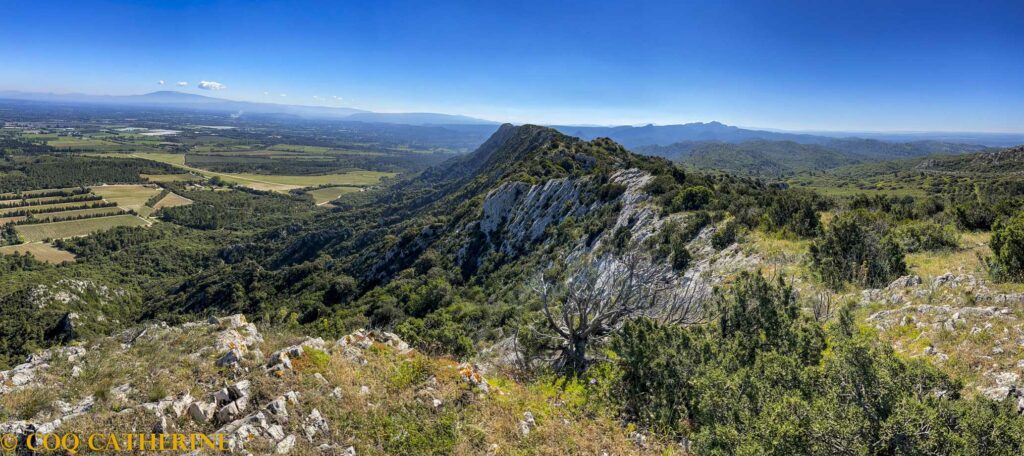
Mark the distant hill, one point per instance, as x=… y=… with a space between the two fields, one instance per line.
x=180 y=100
x=782 y=158
x=1006 y=161
x=663 y=135
x=767 y=158
x=417 y=118
x=873 y=149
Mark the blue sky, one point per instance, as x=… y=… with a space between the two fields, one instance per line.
x=815 y=65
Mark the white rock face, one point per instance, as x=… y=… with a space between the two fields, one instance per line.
x=202 y=411
x=521 y=212
x=67 y=291
x=285 y=446
x=315 y=423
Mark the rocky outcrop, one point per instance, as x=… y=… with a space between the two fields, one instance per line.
x=232 y=407
x=25 y=374
x=516 y=214
x=69 y=291
x=955 y=315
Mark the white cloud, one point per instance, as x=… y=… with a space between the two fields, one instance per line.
x=182 y=84
x=266 y=93
x=284 y=94
x=316 y=97
x=161 y=82
x=211 y=85
x=336 y=97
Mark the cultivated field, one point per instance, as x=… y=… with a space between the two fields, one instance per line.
x=81 y=143
x=328 y=194
x=172 y=200
x=41 y=252
x=161 y=178
x=29 y=193
x=60 y=230
x=48 y=218
x=41 y=207
x=78 y=213
x=286 y=183
x=129 y=197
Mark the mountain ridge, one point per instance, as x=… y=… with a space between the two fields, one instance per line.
x=663 y=135
x=185 y=100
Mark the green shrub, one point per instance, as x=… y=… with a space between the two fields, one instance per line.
x=661 y=185
x=315 y=360
x=1007 y=245
x=691 y=198
x=926 y=236
x=762 y=378
x=670 y=244
x=726 y=235
x=857 y=247
x=437 y=333
x=974 y=216
x=794 y=212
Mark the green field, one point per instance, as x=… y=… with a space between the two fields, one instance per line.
x=328 y=194
x=356 y=178
x=80 y=143
x=60 y=230
x=171 y=159
x=78 y=213
x=297 y=148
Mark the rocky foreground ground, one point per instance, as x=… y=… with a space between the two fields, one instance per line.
x=366 y=393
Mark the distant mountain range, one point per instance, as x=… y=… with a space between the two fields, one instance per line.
x=779 y=158
x=757 y=157
x=180 y=100
x=663 y=135
x=717 y=146
x=629 y=136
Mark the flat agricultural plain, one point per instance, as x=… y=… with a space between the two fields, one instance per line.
x=41 y=251
x=73 y=228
